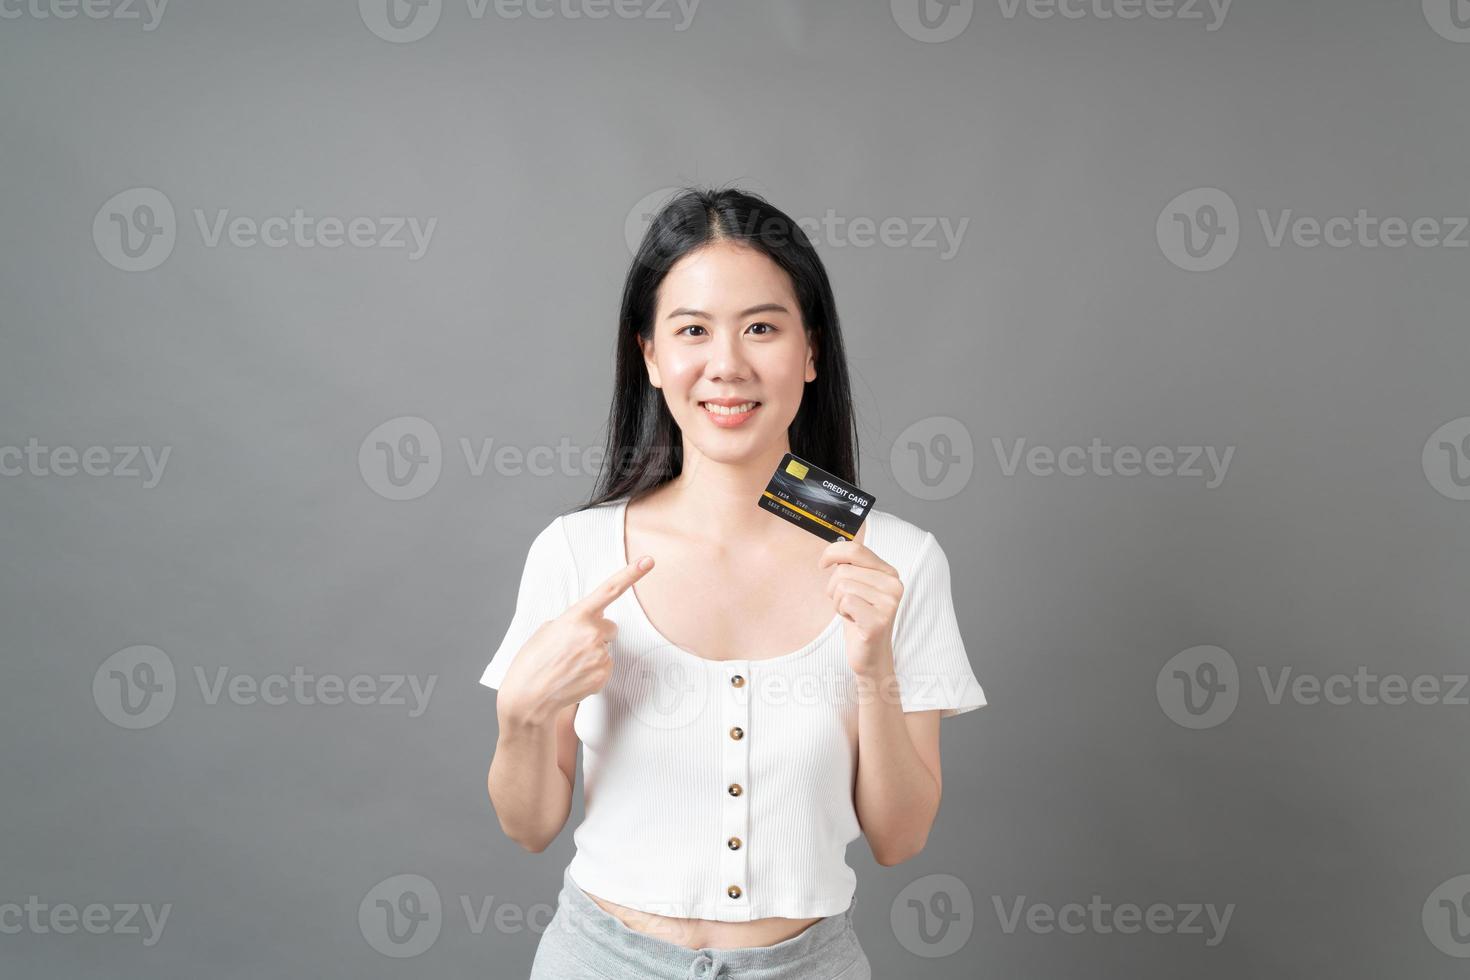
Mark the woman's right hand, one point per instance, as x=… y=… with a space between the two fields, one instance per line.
x=567 y=658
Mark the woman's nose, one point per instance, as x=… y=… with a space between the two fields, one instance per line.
x=727 y=360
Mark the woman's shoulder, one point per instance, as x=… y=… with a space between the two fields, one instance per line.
x=585 y=532
x=583 y=517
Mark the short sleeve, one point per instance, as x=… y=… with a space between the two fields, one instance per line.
x=548 y=586
x=929 y=656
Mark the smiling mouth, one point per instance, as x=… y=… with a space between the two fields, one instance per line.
x=741 y=409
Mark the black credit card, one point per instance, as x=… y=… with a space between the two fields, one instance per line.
x=811 y=498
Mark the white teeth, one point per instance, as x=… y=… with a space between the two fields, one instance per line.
x=731 y=410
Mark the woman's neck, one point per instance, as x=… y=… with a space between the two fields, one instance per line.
x=719 y=497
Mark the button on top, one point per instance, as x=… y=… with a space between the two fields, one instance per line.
x=737 y=733
x=733 y=891
x=734 y=843
x=735 y=789
x=737 y=681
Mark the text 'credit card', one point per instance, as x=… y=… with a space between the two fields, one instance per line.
x=811 y=498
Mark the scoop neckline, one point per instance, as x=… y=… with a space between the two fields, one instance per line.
x=620 y=528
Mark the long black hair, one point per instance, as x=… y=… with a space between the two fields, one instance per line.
x=643 y=446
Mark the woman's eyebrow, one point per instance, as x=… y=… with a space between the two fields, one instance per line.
x=762 y=308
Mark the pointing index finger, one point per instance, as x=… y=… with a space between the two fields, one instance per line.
x=616 y=584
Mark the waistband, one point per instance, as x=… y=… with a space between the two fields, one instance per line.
x=632 y=950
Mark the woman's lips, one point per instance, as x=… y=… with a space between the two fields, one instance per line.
x=727 y=417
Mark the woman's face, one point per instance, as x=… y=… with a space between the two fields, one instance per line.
x=727 y=330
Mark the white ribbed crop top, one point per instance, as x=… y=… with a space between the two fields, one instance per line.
x=724 y=789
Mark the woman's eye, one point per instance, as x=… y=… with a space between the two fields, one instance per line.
x=770 y=328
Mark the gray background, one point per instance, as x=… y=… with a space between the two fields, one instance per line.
x=266 y=546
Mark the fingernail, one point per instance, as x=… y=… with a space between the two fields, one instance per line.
x=645 y=563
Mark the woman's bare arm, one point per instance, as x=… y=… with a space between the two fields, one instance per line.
x=899 y=783
x=565 y=660
x=532 y=774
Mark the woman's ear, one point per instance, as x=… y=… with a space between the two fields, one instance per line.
x=811 y=360
x=648 y=361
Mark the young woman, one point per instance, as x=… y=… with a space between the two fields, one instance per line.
x=749 y=698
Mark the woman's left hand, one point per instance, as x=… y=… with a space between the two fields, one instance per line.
x=865 y=591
